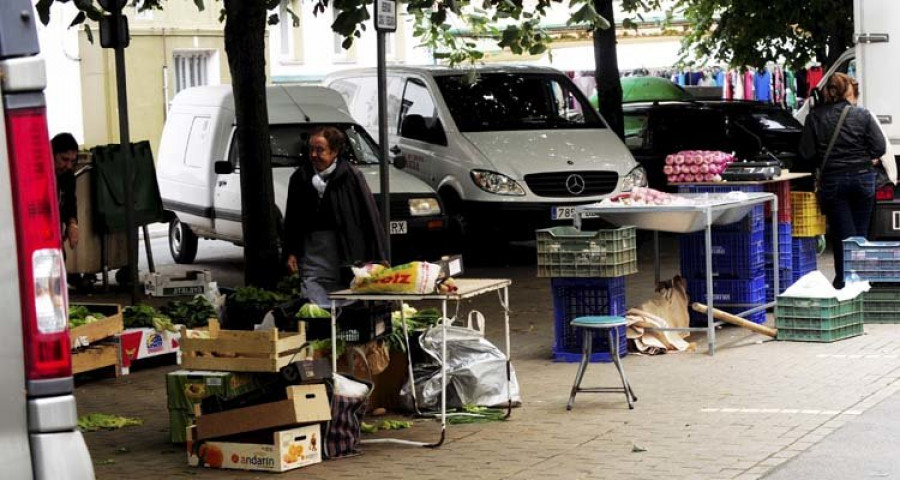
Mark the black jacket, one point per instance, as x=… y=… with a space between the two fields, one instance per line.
x=68 y=204
x=859 y=142
x=347 y=207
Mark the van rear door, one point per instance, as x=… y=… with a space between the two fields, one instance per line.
x=878 y=42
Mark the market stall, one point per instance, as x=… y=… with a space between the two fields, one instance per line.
x=689 y=213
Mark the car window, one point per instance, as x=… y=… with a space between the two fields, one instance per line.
x=417 y=101
x=507 y=101
x=289 y=145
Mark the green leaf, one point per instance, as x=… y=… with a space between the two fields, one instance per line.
x=88 y=33
x=201 y=7
x=78 y=20
x=43 y=10
x=347 y=43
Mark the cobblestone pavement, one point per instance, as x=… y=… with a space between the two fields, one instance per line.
x=738 y=414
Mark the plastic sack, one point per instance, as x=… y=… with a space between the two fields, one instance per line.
x=413 y=277
x=476 y=372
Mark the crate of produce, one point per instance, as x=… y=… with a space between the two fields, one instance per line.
x=96 y=357
x=872 y=261
x=818 y=319
x=239 y=350
x=92 y=322
x=356 y=323
x=569 y=252
x=782 y=190
x=806 y=216
x=734 y=254
x=579 y=297
x=881 y=304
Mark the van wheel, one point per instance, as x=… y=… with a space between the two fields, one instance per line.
x=182 y=242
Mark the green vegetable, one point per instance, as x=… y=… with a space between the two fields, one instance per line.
x=311 y=310
x=290 y=286
x=80 y=315
x=194 y=313
x=141 y=316
x=367 y=428
x=416 y=321
x=477 y=414
x=102 y=421
x=394 y=425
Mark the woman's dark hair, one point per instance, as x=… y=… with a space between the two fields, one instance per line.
x=335 y=138
x=63 y=142
x=837 y=87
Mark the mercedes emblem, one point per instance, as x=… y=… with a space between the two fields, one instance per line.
x=575 y=184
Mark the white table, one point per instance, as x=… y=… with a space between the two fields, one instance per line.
x=466 y=288
x=717 y=209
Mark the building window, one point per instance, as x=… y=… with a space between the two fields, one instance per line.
x=193 y=69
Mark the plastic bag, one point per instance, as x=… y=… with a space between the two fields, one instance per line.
x=413 y=277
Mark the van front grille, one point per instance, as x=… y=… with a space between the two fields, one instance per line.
x=572 y=184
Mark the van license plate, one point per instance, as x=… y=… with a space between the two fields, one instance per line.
x=562 y=213
x=398 y=227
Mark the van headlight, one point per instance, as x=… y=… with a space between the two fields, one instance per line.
x=421 y=207
x=494 y=182
x=637 y=177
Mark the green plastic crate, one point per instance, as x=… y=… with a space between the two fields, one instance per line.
x=831 y=323
x=820 y=308
x=881 y=317
x=569 y=252
x=825 y=336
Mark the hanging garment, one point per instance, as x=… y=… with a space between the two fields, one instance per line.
x=802 y=86
x=738 y=85
x=814 y=77
x=778 y=83
x=790 y=90
x=762 y=85
x=696 y=77
x=720 y=78
x=748 y=86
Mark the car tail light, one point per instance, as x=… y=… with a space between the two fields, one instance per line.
x=885 y=193
x=42 y=274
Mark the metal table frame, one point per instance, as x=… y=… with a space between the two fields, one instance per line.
x=466 y=288
x=593 y=211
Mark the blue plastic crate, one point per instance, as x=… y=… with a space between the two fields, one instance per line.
x=785 y=276
x=785 y=243
x=699 y=319
x=579 y=297
x=729 y=292
x=804 y=246
x=871 y=261
x=734 y=254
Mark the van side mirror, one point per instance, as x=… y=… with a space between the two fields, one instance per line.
x=400 y=162
x=223 y=167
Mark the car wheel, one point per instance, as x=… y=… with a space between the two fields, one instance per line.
x=182 y=242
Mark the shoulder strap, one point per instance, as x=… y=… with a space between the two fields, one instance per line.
x=834 y=136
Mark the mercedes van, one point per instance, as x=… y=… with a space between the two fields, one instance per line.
x=508 y=148
x=198 y=167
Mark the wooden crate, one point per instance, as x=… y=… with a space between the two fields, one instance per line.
x=96 y=357
x=239 y=350
x=103 y=328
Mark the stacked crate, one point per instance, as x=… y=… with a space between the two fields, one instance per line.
x=879 y=264
x=808 y=223
x=738 y=260
x=818 y=319
x=785 y=258
x=587 y=271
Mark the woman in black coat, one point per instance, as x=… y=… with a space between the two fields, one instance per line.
x=331 y=220
x=847 y=178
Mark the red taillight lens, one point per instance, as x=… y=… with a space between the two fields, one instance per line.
x=42 y=274
x=885 y=193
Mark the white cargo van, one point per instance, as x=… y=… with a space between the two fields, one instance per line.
x=199 y=170
x=508 y=148
x=871 y=62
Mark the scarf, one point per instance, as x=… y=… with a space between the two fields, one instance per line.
x=320 y=179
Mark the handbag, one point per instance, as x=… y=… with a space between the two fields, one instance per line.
x=834 y=137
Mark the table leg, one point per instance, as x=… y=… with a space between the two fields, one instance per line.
x=508 y=353
x=443 y=370
x=412 y=380
x=333 y=337
x=710 y=322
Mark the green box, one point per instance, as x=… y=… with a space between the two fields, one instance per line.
x=186 y=388
x=179 y=420
x=814 y=335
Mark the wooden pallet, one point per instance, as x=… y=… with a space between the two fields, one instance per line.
x=95 y=357
x=106 y=327
x=239 y=350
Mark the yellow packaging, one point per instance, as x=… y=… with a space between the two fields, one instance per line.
x=413 y=277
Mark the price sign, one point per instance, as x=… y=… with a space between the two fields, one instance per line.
x=386 y=15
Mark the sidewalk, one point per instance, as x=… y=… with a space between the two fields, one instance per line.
x=750 y=408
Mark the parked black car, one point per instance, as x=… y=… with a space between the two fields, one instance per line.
x=752 y=130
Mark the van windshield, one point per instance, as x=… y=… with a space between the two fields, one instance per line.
x=516 y=101
x=290 y=142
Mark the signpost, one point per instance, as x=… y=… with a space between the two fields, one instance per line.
x=385 y=22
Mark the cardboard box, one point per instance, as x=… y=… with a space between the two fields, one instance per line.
x=285 y=450
x=305 y=404
x=95 y=357
x=179 y=421
x=186 y=388
x=140 y=343
x=193 y=282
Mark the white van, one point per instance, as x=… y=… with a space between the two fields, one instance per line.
x=508 y=148
x=199 y=170
x=876 y=33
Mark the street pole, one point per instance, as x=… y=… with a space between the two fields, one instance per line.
x=125 y=143
x=383 y=142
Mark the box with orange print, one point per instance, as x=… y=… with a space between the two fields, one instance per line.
x=269 y=451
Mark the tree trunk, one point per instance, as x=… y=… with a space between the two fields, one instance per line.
x=609 y=88
x=245 y=28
